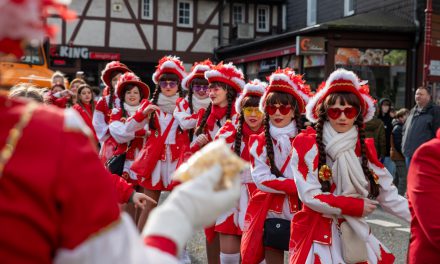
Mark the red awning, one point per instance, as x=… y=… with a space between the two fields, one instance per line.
x=264 y=55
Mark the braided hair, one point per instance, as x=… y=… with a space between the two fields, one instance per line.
x=231 y=95
x=195 y=81
x=248 y=101
x=112 y=90
x=351 y=99
x=158 y=90
x=283 y=99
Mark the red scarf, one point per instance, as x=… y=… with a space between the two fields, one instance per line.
x=246 y=132
x=88 y=109
x=217 y=113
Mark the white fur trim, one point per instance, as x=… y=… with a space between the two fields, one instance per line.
x=166 y=65
x=255 y=86
x=285 y=78
x=215 y=73
x=200 y=68
x=340 y=74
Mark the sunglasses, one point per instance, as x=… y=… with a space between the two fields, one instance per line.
x=200 y=88
x=171 y=84
x=284 y=109
x=248 y=111
x=349 y=112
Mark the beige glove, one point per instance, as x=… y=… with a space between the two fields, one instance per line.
x=192 y=205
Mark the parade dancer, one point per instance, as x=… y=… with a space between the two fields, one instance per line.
x=166 y=138
x=225 y=83
x=339 y=179
x=276 y=200
x=230 y=224
x=85 y=106
x=187 y=109
x=101 y=116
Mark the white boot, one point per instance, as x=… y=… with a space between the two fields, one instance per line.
x=229 y=258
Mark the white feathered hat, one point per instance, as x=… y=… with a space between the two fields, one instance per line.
x=253 y=88
x=197 y=71
x=342 y=80
x=226 y=73
x=169 y=64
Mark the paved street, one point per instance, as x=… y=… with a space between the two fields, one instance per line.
x=390 y=230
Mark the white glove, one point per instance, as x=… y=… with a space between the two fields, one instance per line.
x=192 y=205
x=201 y=140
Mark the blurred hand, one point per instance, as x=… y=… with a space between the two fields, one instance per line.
x=202 y=140
x=140 y=200
x=194 y=204
x=369 y=206
x=150 y=109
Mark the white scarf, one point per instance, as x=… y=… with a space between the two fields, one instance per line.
x=347 y=170
x=282 y=136
x=200 y=103
x=167 y=104
x=131 y=110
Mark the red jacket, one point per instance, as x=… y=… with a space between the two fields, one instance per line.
x=424 y=197
x=47 y=198
x=87 y=115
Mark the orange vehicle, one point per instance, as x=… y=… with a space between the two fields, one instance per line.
x=31 y=68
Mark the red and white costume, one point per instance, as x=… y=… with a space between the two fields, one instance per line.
x=68 y=209
x=130 y=139
x=160 y=177
x=85 y=111
x=232 y=222
x=183 y=115
x=314 y=231
x=232 y=76
x=57 y=99
x=102 y=114
x=276 y=197
x=423 y=192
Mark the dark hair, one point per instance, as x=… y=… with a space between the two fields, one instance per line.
x=111 y=90
x=82 y=87
x=127 y=88
x=200 y=81
x=428 y=90
x=26 y=90
x=353 y=100
x=231 y=94
x=248 y=101
x=158 y=90
x=284 y=99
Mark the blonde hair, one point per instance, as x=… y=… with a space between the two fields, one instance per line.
x=26 y=90
x=77 y=80
x=56 y=75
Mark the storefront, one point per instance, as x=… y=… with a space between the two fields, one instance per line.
x=92 y=61
x=378 y=53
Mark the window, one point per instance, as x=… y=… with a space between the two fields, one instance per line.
x=237 y=14
x=263 y=19
x=311 y=12
x=348 y=7
x=184 y=18
x=147 y=9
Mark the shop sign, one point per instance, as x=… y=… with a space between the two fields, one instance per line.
x=310 y=45
x=434 y=68
x=82 y=53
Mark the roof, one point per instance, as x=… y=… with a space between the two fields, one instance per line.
x=378 y=21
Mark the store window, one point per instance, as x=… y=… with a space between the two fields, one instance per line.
x=314 y=71
x=147 y=9
x=263 y=19
x=311 y=12
x=384 y=69
x=237 y=14
x=184 y=13
x=348 y=7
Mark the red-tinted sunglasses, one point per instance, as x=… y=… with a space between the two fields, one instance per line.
x=335 y=113
x=284 y=109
